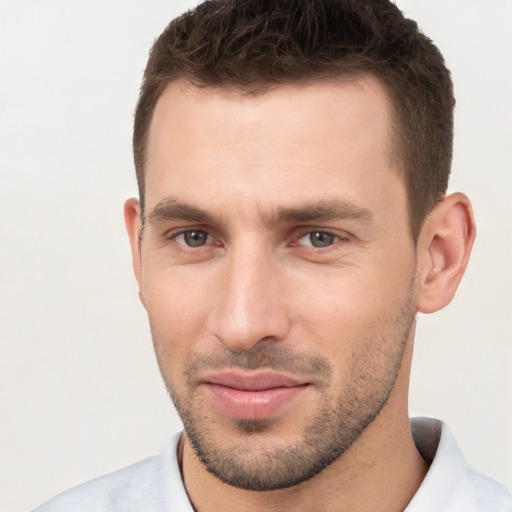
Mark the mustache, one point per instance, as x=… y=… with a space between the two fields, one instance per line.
x=279 y=359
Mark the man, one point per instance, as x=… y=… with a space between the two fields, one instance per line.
x=292 y=161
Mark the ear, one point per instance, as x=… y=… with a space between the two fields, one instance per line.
x=133 y=221
x=443 y=250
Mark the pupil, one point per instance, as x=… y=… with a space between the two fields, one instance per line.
x=321 y=239
x=195 y=238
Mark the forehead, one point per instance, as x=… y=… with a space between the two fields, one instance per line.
x=346 y=98
x=292 y=141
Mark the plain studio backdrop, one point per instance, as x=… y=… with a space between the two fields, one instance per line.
x=80 y=392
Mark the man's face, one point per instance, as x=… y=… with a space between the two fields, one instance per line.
x=277 y=270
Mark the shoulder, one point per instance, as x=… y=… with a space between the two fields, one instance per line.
x=450 y=484
x=151 y=485
x=120 y=490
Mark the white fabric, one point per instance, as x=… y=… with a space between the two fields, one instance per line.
x=451 y=485
x=155 y=485
x=151 y=485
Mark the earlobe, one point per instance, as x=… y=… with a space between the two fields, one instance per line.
x=444 y=247
x=132 y=218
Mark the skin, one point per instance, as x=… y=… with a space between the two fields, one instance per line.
x=250 y=174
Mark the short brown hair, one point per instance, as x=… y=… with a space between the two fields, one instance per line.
x=252 y=45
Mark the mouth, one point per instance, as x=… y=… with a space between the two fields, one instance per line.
x=252 y=395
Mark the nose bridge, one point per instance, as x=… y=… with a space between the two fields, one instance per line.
x=249 y=305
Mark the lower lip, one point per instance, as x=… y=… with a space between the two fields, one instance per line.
x=252 y=405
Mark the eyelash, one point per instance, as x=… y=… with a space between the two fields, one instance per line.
x=173 y=236
x=338 y=238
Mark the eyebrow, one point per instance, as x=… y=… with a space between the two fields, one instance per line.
x=170 y=208
x=322 y=211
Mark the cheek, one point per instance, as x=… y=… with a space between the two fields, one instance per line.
x=340 y=313
x=349 y=297
x=177 y=306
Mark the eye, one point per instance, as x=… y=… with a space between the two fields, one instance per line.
x=193 y=238
x=319 y=239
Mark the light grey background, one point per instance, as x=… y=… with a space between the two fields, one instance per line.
x=80 y=393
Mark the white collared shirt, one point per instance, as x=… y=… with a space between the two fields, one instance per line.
x=155 y=485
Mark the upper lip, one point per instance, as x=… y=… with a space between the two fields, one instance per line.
x=252 y=380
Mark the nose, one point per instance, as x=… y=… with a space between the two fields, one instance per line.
x=249 y=307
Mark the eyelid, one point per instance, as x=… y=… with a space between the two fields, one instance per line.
x=174 y=233
x=309 y=250
x=183 y=233
x=179 y=230
x=337 y=238
x=306 y=230
x=300 y=232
